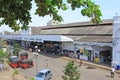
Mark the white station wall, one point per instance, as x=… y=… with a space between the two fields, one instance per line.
x=116 y=41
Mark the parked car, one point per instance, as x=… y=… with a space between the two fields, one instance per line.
x=44 y=74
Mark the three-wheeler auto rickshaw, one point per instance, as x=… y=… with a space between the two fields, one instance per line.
x=24 y=55
x=14 y=62
x=26 y=63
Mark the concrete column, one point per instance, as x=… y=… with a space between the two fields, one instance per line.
x=116 y=43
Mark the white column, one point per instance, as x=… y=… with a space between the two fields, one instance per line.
x=116 y=43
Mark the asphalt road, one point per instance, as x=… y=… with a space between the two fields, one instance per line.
x=56 y=65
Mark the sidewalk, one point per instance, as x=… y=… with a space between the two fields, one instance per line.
x=6 y=73
x=93 y=64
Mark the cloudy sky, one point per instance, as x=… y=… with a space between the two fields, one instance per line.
x=109 y=9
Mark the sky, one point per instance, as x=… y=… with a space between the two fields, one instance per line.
x=109 y=8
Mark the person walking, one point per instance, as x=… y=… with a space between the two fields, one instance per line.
x=47 y=63
x=80 y=63
x=112 y=72
x=1 y=66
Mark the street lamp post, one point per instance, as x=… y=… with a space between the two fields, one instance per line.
x=36 y=54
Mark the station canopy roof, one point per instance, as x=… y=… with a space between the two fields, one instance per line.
x=39 y=38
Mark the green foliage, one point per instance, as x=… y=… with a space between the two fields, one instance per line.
x=16 y=72
x=71 y=72
x=92 y=11
x=2 y=55
x=1 y=43
x=50 y=7
x=16 y=49
x=9 y=48
x=32 y=78
x=16 y=13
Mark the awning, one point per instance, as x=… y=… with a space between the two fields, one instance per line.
x=39 y=38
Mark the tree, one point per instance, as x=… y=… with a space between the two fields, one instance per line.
x=16 y=49
x=2 y=55
x=1 y=43
x=16 y=13
x=71 y=72
x=9 y=48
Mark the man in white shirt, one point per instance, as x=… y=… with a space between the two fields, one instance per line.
x=112 y=72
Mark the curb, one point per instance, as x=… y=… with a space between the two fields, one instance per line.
x=92 y=64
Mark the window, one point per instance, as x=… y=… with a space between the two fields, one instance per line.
x=41 y=75
x=45 y=74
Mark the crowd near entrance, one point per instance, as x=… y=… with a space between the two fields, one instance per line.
x=105 y=56
x=56 y=48
x=48 y=47
x=51 y=47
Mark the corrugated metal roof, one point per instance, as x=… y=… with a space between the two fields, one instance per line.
x=92 y=38
x=78 y=24
x=12 y=33
x=83 y=31
x=35 y=30
x=107 y=29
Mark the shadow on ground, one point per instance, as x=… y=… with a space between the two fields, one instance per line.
x=51 y=55
x=90 y=67
x=108 y=76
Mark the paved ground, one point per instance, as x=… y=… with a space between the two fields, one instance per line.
x=6 y=74
x=56 y=64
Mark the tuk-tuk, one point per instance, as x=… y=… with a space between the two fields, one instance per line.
x=26 y=63
x=14 y=62
x=24 y=55
x=13 y=57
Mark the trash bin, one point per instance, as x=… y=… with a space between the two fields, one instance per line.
x=118 y=67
